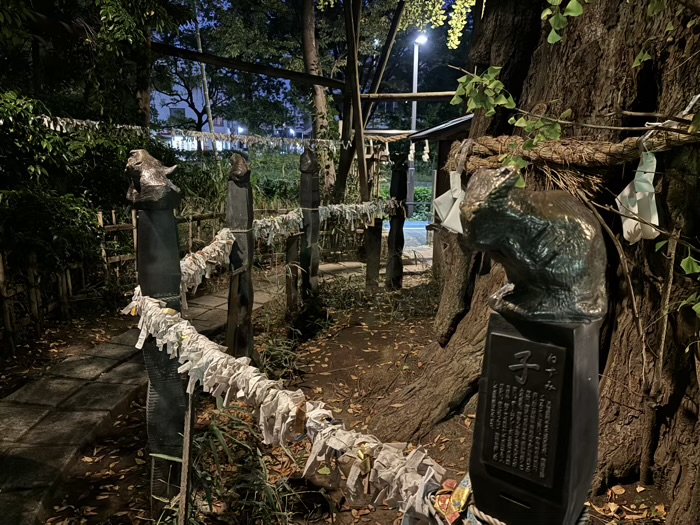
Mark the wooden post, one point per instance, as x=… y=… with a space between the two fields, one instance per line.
x=398 y=191
x=34 y=293
x=310 y=199
x=184 y=504
x=239 y=218
x=103 y=250
x=233 y=306
x=373 y=251
x=6 y=306
x=292 y=276
x=64 y=306
x=189 y=234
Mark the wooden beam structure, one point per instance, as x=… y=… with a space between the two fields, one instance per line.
x=241 y=65
x=384 y=58
x=352 y=30
x=428 y=96
x=78 y=29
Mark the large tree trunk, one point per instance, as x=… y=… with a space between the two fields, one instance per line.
x=450 y=378
x=649 y=409
x=312 y=65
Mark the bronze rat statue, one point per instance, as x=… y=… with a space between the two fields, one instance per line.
x=549 y=243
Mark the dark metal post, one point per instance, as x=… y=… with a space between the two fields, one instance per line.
x=398 y=191
x=292 y=276
x=373 y=252
x=310 y=200
x=158 y=263
x=239 y=218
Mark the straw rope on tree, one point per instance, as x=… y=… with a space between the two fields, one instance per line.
x=486 y=152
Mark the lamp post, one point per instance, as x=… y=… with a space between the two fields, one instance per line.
x=419 y=41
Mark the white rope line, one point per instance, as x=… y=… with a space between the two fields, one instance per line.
x=65 y=124
x=361 y=463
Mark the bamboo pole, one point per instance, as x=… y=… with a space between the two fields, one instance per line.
x=435 y=96
x=103 y=250
x=6 y=306
x=33 y=293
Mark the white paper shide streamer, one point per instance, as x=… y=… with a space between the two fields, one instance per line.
x=194 y=267
x=638 y=201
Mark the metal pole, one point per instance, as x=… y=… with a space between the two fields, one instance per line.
x=414 y=104
x=414 y=110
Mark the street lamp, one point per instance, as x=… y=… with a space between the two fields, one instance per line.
x=240 y=130
x=420 y=40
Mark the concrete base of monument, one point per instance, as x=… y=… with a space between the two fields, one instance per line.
x=536 y=432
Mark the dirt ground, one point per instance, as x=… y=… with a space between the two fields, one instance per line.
x=373 y=346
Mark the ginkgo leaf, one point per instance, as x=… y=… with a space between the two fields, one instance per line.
x=573 y=8
x=690 y=265
x=553 y=37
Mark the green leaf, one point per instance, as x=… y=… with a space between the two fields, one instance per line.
x=690 y=300
x=642 y=57
x=493 y=72
x=324 y=471
x=692 y=23
x=566 y=115
x=690 y=265
x=546 y=13
x=573 y=8
x=694 y=124
x=521 y=122
x=655 y=7
x=456 y=100
x=669 y=27
x=660 y=245
x=510 y=103
x=687 y=348
x=501 y=100
x=520 y=183
x=558 y=21
x=463 y=79
x=553 y=37
x=696 y=309
x=554 y=2
x=511 y=121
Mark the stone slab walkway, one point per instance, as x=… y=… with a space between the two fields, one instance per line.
x=45 y=424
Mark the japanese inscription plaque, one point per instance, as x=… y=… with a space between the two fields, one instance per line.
x=536 y=432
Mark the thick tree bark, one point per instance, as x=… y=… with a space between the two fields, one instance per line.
x=649 y=409
x=450 y=378
x=312 y=65
x=457 y=284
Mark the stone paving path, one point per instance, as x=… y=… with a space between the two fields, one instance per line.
x=45 y=424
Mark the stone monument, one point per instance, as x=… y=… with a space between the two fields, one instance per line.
x=536 y=433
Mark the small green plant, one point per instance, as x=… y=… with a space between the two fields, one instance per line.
x=483 y=91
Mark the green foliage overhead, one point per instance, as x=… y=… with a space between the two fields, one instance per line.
x=52 y=183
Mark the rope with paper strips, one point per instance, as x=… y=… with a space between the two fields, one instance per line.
x=282 y=226
x=367 y=466
x=194 y=267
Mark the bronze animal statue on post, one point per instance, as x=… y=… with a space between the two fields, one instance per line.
x=549 y=243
